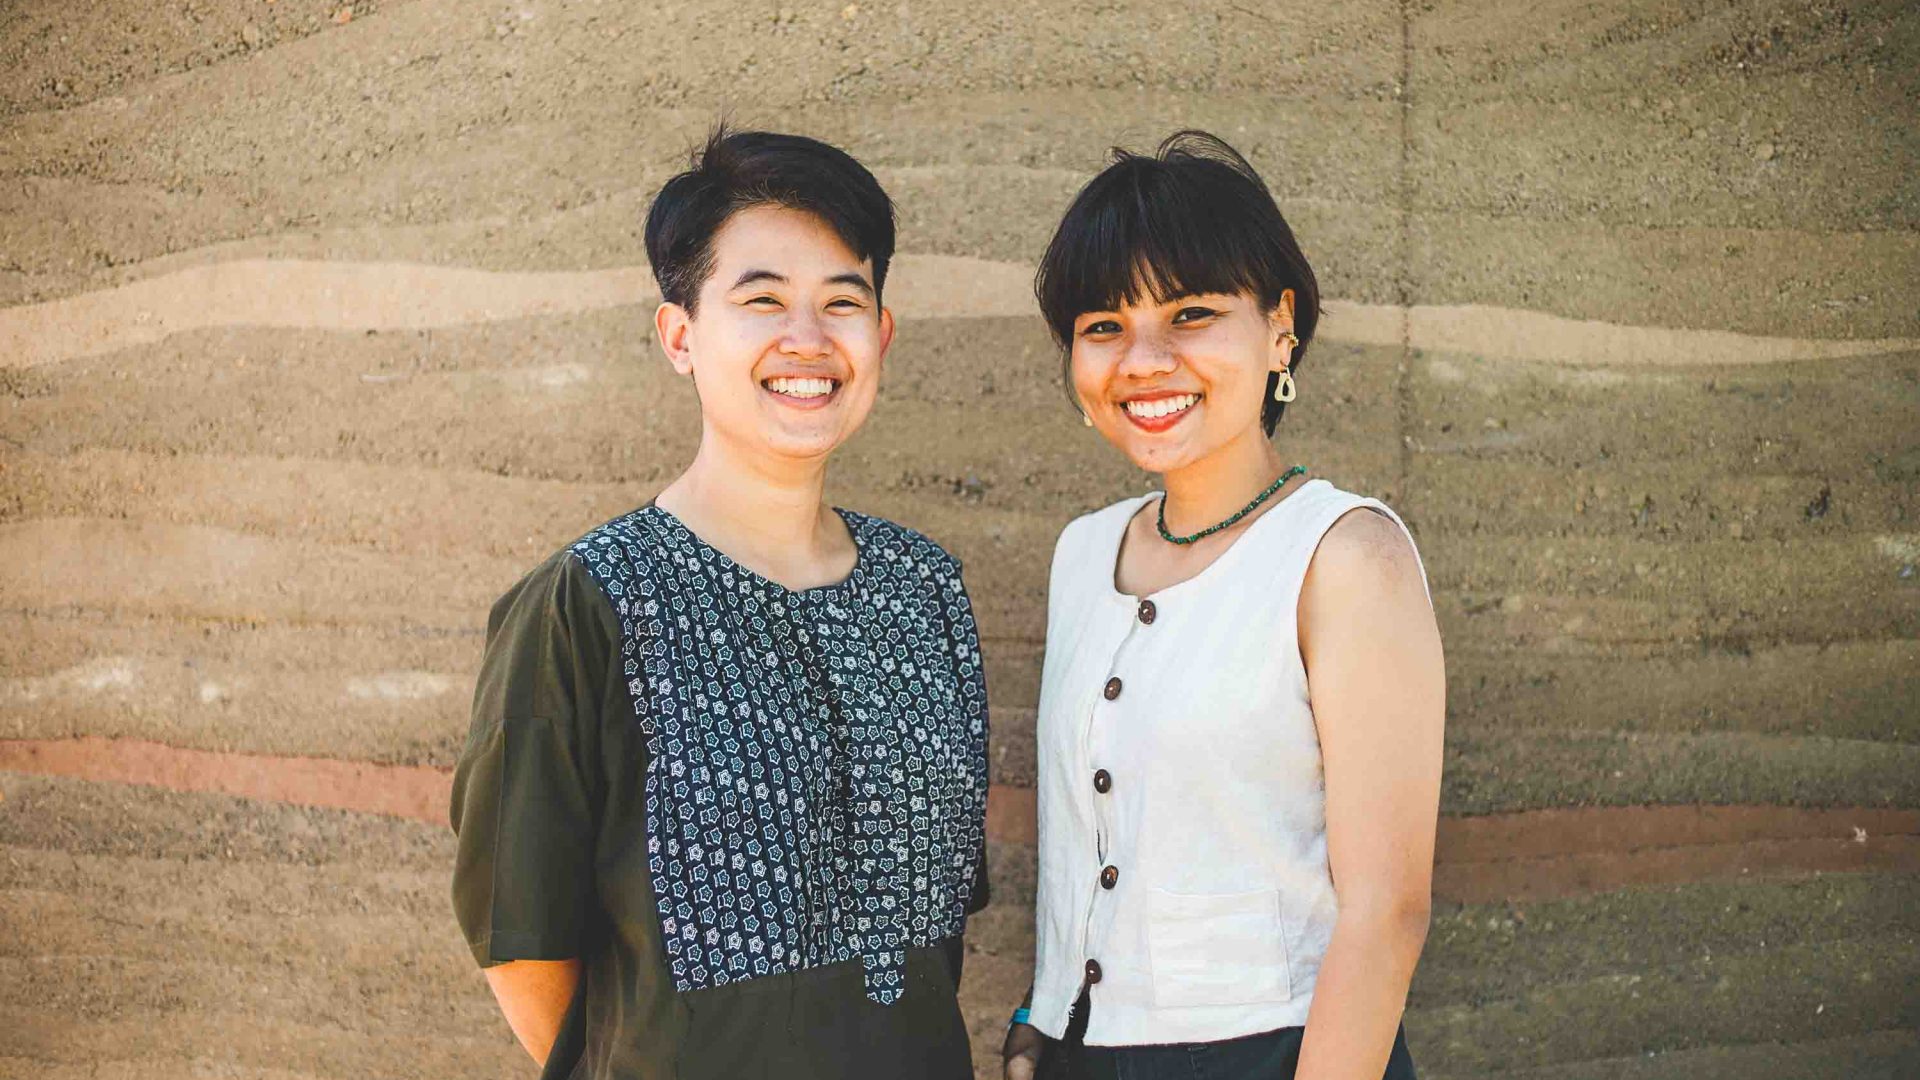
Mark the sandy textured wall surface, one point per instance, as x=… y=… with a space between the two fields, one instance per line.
x=320 y=323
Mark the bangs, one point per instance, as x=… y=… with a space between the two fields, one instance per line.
x=1143 y=229
x=1132 y=236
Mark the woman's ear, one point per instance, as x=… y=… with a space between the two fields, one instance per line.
x=1280 y=335
x=1282 y=317
x=886 y=332
x=671 y=324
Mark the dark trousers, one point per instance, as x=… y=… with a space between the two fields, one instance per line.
x=1270 y=1055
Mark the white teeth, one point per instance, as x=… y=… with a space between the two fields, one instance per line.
x=801 y=388
x=1153 y=410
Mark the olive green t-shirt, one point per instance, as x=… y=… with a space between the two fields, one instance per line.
x=652 y=719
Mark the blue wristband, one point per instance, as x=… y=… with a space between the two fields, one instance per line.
x=1022 y=1015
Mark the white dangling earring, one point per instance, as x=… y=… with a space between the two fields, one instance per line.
x=1285 y=391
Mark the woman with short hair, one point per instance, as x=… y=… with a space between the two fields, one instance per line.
x=1242 y=701
x=721 y=808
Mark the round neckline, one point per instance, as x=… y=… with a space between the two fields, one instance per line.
x=853 y=578
x=1120 y=537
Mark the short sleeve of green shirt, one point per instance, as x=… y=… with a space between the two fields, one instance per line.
x=526 y=796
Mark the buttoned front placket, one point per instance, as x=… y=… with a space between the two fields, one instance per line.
x=1103 y=723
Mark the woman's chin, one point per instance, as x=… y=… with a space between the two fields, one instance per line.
x=1156 y=455
x=809 y=439
x=803 y=446
x=798 y=433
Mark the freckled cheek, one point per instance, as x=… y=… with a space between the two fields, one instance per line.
x=1215 y=377
x=1089 y=372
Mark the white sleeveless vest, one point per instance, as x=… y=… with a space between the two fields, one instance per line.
x=1183 y=845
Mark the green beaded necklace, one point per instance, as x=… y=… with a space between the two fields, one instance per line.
x=1297 y=470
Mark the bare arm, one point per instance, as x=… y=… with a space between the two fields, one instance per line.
x=1020 y=1052
x=1378 y=681
x=534 y=995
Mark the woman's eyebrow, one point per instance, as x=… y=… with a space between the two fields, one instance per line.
x=753 y=276
x=858 y=281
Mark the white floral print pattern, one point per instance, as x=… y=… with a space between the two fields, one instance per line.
x=817 y=772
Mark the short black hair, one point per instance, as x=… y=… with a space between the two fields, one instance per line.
x=1193 y=218
x=741 y=169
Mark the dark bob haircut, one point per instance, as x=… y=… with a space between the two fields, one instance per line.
x=1193 y=218
x=741 y=169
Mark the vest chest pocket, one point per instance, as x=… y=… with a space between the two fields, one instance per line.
x=1217 y=949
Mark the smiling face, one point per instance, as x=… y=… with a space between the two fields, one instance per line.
x=787 y=346
x=1171 y=383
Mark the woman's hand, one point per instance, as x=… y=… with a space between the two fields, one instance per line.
x=1021 y=1052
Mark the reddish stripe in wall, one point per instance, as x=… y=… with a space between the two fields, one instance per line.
x=1527 y=855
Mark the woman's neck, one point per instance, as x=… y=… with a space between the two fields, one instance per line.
x=1212 y=489
x=750 y=502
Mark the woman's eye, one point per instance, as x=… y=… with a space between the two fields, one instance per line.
x=1189 y=314
x=765 y=300
x=1104 y=326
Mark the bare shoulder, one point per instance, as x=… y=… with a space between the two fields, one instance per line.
x=1365 y=551
x=1364 y=586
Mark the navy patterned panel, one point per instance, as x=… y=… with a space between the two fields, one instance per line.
x=817 y=773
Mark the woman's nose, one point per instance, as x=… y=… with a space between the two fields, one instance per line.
x=803 y=336
x=1149 y=353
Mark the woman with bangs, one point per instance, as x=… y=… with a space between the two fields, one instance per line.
x=1241 y=710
